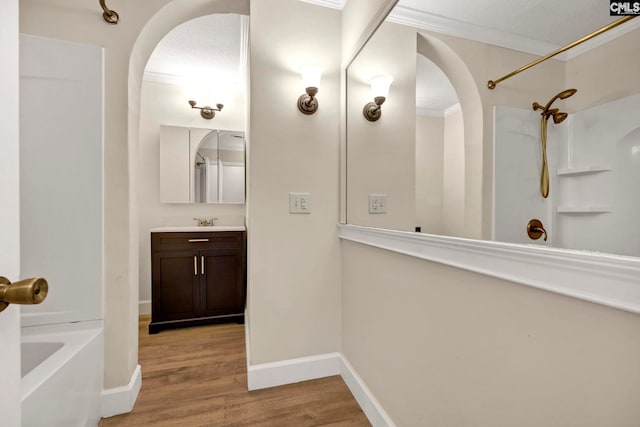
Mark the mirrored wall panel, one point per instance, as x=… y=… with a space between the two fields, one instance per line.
x=437 y=152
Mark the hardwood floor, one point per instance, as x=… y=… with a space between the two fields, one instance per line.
x=197 y=377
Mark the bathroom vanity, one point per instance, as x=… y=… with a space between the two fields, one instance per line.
x=198 y=276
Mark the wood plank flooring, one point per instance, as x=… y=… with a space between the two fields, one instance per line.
x=197 y=376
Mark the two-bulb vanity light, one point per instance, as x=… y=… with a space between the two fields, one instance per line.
x=307 y=102
x=206 y=112
x=379 y=90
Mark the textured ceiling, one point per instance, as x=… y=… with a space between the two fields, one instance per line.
x=210 y=48
x=434 y=92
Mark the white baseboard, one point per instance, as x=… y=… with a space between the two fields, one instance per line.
x=314 y=367
x=144 y=307
x=120 y=400
x=368 y=403
x=292 y=371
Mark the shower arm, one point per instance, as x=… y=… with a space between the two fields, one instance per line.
x=110 y=16
x=491 y=84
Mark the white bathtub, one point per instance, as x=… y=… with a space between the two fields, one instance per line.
x=62 y=374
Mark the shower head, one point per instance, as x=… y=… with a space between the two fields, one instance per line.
x=567 y=93
x=562 y=95
x=559 y=117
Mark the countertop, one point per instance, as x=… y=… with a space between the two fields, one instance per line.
x=192 y=228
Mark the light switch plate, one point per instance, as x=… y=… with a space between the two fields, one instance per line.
x=377 y=203
x=299 y=203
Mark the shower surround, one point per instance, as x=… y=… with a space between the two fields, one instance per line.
x=594 y=168
x=61 y=230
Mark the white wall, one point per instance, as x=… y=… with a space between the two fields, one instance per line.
x=165 y=104
x=429 y=160
x=438 y=345
x=294 y=260
x=605 y=73
x=454 y=173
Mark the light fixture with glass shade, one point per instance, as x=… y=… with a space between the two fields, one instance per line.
x=379 y=90
x=307 y=102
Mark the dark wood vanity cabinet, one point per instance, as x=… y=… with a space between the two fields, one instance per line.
x=197 y=278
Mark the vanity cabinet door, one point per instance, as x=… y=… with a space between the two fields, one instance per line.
x=175 y=285
x=222 y=286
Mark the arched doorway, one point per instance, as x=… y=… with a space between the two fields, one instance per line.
x=457 y=72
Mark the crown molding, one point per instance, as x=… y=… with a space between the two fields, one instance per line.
x=455 y=108
x=429 y=112
x=169 y=79
x=244 y=46
x=438 y=24
x=333 y=4
x=435 y=112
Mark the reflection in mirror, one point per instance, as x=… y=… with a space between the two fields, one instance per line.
x=471 y=167
x=205 y=169
x=380 y=154
x=439 y=154
x=201 y=165
x=231 y=161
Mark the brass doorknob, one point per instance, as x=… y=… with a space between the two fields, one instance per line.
x=28 y=291
x=535 y=229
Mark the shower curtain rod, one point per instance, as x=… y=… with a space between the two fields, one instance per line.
x=491 y=84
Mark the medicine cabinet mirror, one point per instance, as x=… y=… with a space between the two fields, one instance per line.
x=201 y=165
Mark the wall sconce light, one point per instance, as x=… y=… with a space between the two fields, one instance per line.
x=380 y=90
x=307 y=102
x=207 y=112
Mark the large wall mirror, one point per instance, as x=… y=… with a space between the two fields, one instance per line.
x=448 y=156
x=201 y=165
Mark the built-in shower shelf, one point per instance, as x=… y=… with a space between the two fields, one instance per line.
x=582 y=170
x=583 y=209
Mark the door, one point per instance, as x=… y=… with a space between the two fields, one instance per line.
x=9 y=213
x=175 y=278
x=222 y=285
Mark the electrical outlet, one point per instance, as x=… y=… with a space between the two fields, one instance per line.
x=377 y=203
x=299 y=203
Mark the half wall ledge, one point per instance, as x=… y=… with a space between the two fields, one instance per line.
x=610 y=280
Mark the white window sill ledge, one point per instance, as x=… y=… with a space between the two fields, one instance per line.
x=605 y=279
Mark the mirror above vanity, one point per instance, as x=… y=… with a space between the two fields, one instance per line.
x=201 y=165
